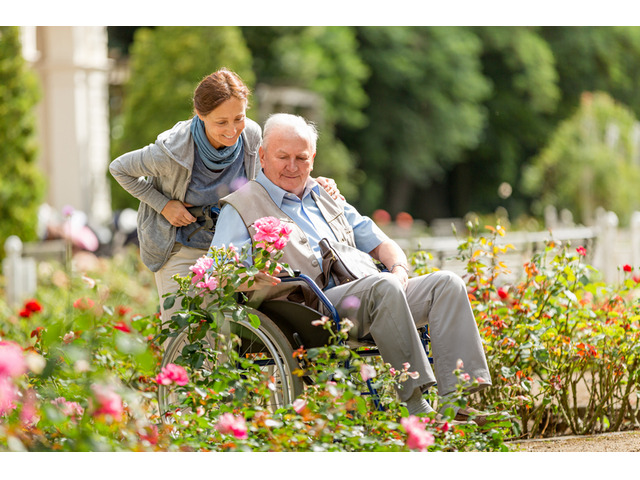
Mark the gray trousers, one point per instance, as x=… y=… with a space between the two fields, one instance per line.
x=390 y=315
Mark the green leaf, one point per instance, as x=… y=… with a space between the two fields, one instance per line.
x=169 y=302
x=571 y=296
x=508 y=372
x=129 y=344
x=541 y=355
x=255 y=320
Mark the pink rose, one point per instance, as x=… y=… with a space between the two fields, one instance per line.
x=172 y=373
x=70 y=409
x=209 y=282
x=351 y=302
x=108 y=401
x=8 y=393
x=12 y=361
x=201 y=266
x=299 y=405
x=267 y=229
x=280 y=243
x=234 y=253
x=229 y=424
x=417 y=437
x=367 y=371
x=271 y=233
x=29 y=412
x=285 y=230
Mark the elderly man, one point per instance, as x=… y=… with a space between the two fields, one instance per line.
x=392 y=305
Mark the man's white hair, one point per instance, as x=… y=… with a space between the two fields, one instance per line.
x=296 y=122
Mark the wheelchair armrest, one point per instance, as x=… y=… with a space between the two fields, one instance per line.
x=301 y=277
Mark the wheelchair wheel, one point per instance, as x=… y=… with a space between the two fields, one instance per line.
x=266 y=346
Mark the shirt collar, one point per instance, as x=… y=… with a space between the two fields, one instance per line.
x=278 y=194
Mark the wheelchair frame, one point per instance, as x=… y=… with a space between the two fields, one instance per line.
x=294 y=322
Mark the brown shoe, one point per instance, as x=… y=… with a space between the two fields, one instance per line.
x=473 y=415
x=439 y=420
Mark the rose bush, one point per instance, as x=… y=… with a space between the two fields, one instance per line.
x=561 y=345
x=80 y=362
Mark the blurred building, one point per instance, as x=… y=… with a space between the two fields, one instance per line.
x=73 y=117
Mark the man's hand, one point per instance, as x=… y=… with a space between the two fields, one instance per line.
x=262 y=280
x=394 y=258
x=177 y=214
x=402 y=274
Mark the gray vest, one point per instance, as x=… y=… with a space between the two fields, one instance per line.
x=252 y=202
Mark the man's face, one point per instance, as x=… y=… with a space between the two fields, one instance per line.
x=288 y=160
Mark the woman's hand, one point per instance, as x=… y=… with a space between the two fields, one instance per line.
x=177 y=214
x=331 y=187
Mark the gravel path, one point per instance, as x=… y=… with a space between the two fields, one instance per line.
x=605 y=442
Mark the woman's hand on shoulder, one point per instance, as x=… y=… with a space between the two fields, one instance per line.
x=331 y=187
x=177 y=214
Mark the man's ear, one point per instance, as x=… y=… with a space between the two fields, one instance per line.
x=261 y=156
x=313 y=161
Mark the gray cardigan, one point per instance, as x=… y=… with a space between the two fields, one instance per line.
x=161 y=172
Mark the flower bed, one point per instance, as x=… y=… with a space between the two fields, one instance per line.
x=80 y=364
x=562 y=347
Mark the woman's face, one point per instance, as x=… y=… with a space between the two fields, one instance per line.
x=225 y=123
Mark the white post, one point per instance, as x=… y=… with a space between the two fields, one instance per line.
x=20 y=273
x=605 y=259
x=635 y=239
x=73 y=66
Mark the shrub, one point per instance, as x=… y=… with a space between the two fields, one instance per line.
x=562 y=347
x=22 y=185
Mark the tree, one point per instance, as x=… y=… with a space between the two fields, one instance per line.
x=426 y=90
x=325 y=61
x=167 y=63
x=591 y=161
x=590 y=59
x=21 y=183
x=520 y=117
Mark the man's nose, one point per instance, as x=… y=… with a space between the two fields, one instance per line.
x=291 y=165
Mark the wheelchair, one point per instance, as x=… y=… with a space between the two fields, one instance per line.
x=284 y=327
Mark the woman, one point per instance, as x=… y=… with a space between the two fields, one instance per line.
x=195 y=163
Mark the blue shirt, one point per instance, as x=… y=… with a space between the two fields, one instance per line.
x=230 y=228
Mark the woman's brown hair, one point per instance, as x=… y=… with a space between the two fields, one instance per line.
x=217 y=88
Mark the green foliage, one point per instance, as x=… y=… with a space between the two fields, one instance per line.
x=21 y=183
x=167 y=63
x=522 y=70
x=227 y=385
x=326 y=61
x=590 y=162
x=425 y=90
x=80 y=332
x=99 y=356
x=547 y=337
x=562 y=349
x=592 y=59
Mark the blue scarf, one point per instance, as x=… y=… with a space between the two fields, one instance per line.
x=213 y=158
